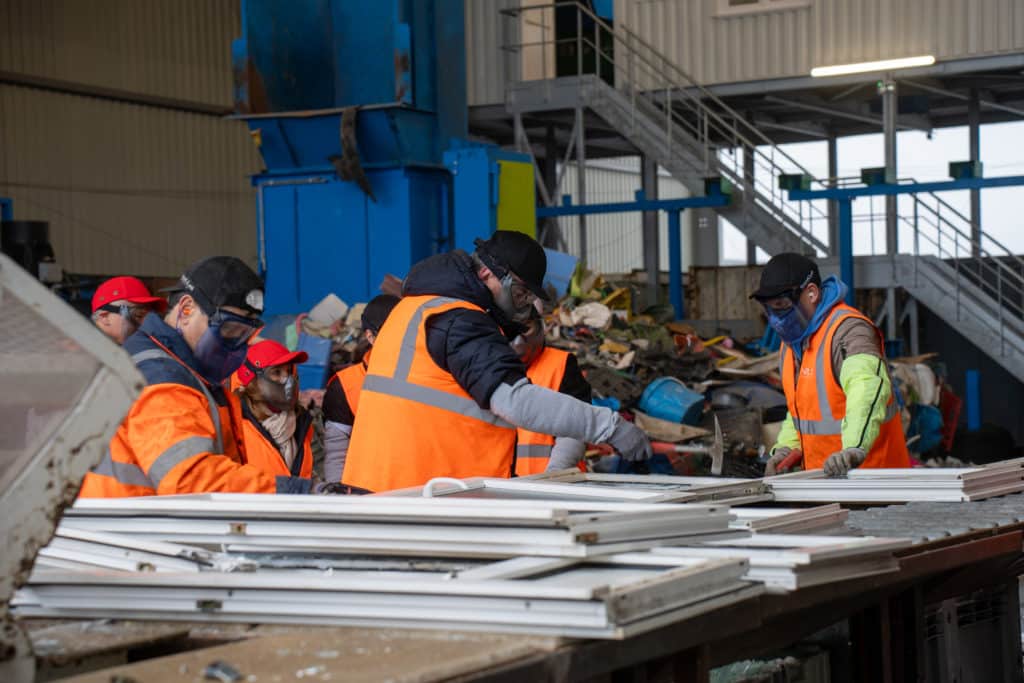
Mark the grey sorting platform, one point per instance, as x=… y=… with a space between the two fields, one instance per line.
x=959 y=549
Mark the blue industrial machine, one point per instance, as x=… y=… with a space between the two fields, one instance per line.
x=359 y=111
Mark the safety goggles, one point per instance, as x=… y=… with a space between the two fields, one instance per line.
x=134 y=312
x=520 y=293
x=234 y=330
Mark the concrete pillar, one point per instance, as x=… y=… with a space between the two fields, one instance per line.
x=890 y=104
x=887 y=86
x=581 y=180
x=974 y=143
x=652 y=257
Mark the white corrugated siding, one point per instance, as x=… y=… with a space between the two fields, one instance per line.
x=486 y=31
x=127 y=188
x=615 y=241
x=787 y=43
x=178 y=49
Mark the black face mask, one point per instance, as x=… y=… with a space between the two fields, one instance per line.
x=281 y=396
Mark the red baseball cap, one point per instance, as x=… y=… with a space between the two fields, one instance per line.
x=267 y=354
x=126 y=288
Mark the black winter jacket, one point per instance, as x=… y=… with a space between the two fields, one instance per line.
x=469 y=344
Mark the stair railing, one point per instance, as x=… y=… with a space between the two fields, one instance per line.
x=701 y=131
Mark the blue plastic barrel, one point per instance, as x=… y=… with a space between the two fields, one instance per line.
x=668 y=399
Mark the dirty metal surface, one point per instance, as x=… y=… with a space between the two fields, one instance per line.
x=62 y=642
x=340 y=654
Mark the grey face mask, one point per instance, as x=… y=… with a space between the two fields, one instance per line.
x=515 y=300
x=280 y=396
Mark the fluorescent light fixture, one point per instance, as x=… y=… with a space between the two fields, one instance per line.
x=863 y=67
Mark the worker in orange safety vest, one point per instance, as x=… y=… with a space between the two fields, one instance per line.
x=277 y=433
x=120 y=304
x=842 y=411
x=444 y=392
x=557 y=370
x=178 y=436
x=341 y=398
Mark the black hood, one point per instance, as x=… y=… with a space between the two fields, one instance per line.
x=451 y=274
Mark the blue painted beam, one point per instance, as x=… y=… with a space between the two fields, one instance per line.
x=640 y=204
x=909 y=188
x=6 y=209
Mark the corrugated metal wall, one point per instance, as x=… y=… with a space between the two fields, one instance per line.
x=615 y=241
x=785 y=43
x=127 y=188
x=178 y=49
x=486 y=31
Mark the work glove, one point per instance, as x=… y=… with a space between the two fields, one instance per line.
x=778 y=455
x=841 y=462
x=629 y=441
x=336 y=488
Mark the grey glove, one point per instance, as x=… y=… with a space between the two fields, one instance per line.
x=778 y=456
x=629 y=441
x=841 y=462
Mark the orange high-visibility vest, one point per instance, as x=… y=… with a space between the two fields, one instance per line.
x=259 y=450
x=415 y=422
x=533 y=450
x=175 y=439
x=817 y=403
x=351 y=379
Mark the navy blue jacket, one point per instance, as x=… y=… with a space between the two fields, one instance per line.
x=471 y=345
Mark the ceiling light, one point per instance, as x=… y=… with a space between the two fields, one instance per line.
x=863 y=67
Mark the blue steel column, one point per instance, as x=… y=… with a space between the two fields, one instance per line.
x=846 y=246
x=6 y=209
x=675 y=263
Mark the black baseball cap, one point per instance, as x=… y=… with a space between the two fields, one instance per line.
x=377 y=311
x=785 y=273
x=518 y=252
x=222 y=281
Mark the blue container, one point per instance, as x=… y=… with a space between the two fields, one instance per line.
x=667 y=398
x=313 y=373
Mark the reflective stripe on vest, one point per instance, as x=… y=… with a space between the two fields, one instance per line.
x=827 y=426
x=399 y=386
x=125 y=473
x=160 y=354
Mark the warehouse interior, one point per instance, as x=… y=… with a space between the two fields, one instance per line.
x=663 y=153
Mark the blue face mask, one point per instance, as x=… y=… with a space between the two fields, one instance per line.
x=789 y=324
x=217 y=359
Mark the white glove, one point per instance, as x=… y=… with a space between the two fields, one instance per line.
x=841 y=462
x=778 y=456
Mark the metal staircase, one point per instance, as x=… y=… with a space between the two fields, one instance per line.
x=974 y=286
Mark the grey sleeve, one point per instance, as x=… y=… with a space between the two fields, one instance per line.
x=566 y=453
x=853 y=337
x=545 y=411
x=336 y=439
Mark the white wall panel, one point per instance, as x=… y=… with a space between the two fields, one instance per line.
x=127 y=188
x=487 y=30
